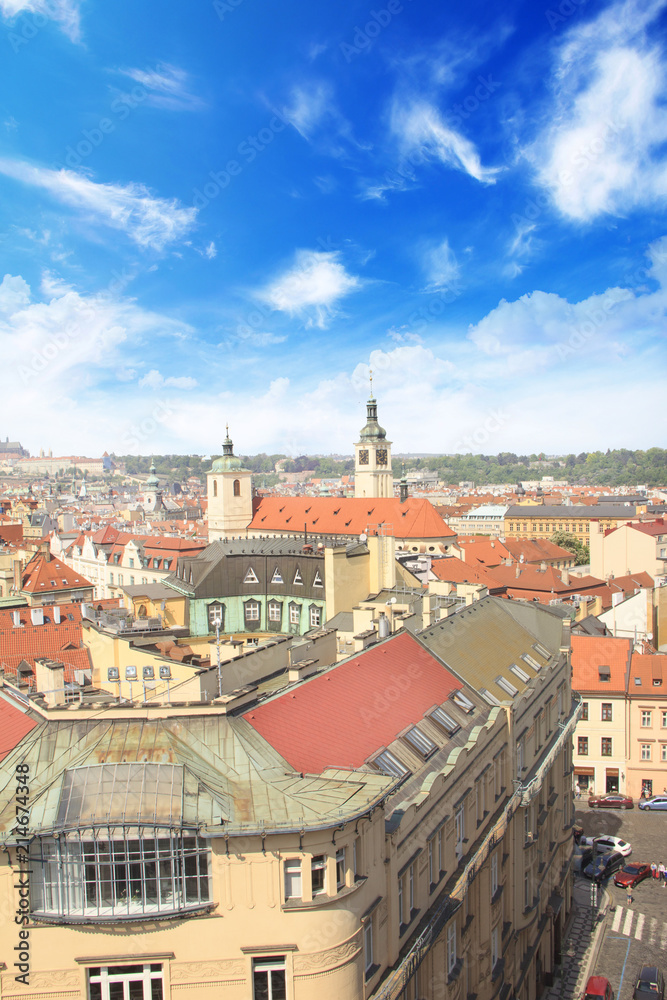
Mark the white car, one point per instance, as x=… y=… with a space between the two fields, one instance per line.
x=604 y=844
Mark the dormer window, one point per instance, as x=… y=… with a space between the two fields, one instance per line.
x=251 y=576
x=297 y=581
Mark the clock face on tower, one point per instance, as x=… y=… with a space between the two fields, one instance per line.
x=381 y=456
x=363 y=457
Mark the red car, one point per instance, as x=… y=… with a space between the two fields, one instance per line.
x=611 y=802
x=598 y=988
x=630 y=874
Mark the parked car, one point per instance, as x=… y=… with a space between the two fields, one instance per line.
x=650 y=983
x=607 y=843
x=603 y=866
x=655 y=802
x=611 y=801
x=598 y=988
x=631 y=874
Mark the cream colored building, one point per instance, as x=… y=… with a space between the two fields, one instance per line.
x=390 y=827
x=629 y=548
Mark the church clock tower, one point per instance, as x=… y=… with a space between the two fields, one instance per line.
x=229 y=494
x=372 y=458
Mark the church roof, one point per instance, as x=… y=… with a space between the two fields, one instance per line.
x=228 y=461
x=414 y=518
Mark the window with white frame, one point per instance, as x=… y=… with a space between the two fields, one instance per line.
x=318 y=874
x=251 y=576
x=317 y=582
x=269 y=978
x=420 y=742
x=341 y=872
x=292 y=868
x=126 y=982
x=216 y=615
x=277 y=576
x=294 y=614
x=390 y=764
x=275 y=611
x=645 y=751
x=252 y=611
x=298 y=580
x=646 y=719
x=368 y=945
x=315 y=616
x=664 y=720
x=451 y=947
x=663 y=752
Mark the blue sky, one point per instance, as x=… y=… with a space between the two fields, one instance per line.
x=231 y=211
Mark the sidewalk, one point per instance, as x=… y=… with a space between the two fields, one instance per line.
x=582 y=944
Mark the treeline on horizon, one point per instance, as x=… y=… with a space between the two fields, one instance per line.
x=620 y=467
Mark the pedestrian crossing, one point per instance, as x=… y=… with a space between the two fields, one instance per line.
x=650 y=930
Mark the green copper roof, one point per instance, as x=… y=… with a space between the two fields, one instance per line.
x=372 y=431
x=228 y=461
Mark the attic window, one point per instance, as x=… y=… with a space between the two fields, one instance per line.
x=521 y=674
x=277 y=576
x=487 y=696
x=507 y=686
x=638 y=682
x=538 y=647
x=420 y=742
x=53 y=583
x=297 y=578
x=463 y=702
x=604 y=672
x=389 y=764
x=251 y=576
x=444 y=721
x=657 y=681
x=317 y=582
x=531 y=661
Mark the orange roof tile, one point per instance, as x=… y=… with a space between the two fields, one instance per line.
x=650 y=668
x=590 y=652
x=47 y=574
x=349 y=516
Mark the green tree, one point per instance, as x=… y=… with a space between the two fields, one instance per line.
x=581 y=552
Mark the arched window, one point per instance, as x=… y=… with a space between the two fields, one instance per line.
x=215 y=487
x=237 y=487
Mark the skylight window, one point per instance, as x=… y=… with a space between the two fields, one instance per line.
x=463 y=702
x=389 y=764
x=507 y=686
x=531 y=661
x=521 y=674
x=420 y=742
x=542 y=650
x=444 y=721
x=487 y=696
x=251 y=576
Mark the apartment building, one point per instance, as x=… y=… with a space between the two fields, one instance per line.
x=397 y=825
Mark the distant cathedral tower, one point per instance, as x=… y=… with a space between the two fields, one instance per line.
x=372 y=459
x=229 y=494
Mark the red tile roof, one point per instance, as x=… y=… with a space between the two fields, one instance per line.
x=483 y=551
x=349 y=516
x=50 y=639
x=14 y=725
x=341 y=717
x=45 y=574
x=535 y=550
x=591 y=652
x=649 y=667
x=454 y=570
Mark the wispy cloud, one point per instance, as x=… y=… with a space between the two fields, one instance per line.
x=313 y=111
x=311 y=288
x=151 y=222
x=601 y=149
x=441 y=266
x=422 y=133
x=63 y=12
x=155 y=380
x=167 y=86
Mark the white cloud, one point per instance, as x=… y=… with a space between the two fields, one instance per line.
x=311 y=288
x=150 y=222
x=14 y=294
x=601 y=147
x=155 y=380
x=63 y=12
x=441 y=266
x=211 y=251
x=258 y=339
x=168 y=86
x=314 y=113
x=422 y=134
